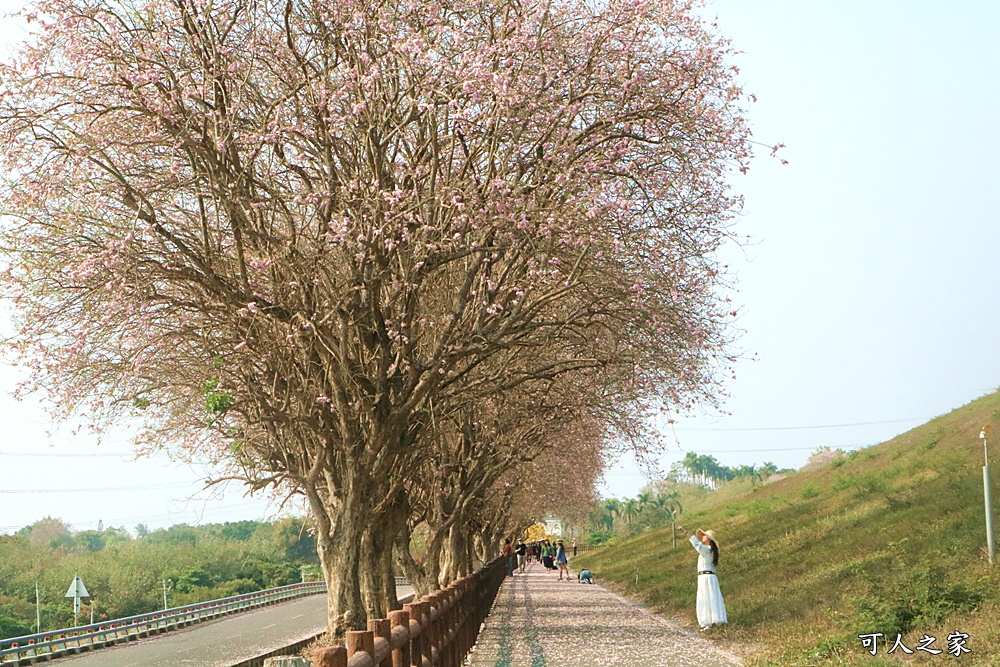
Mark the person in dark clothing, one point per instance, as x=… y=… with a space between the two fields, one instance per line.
x=508 y=553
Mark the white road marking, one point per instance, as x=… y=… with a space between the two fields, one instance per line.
x=299 y=616
x=268 y=626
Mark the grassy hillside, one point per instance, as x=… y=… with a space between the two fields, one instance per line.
x=889 y=539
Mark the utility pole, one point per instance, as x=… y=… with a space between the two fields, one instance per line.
x=991 y=547
x=168 y=585
x=38 y=609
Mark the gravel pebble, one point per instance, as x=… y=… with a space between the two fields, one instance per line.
x=539 y=621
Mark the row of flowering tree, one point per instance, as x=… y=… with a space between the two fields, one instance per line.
x=419 y=263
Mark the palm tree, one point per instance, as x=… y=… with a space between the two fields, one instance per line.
x=644 y=500
x=672 y=506
x=613 y=507
x=692 y=464
x=750 y=472
x=707 y=465
x=630 y=509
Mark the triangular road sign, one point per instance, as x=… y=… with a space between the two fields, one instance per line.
x=77 y=589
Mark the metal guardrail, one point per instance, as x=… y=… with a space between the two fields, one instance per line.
x=45 y=645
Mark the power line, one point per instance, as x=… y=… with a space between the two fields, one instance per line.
x=742 y=451
x=210 y=512
x=802 y=428
x=67 y=455
x=755 y=451
x=132 y=455
x=106 y=489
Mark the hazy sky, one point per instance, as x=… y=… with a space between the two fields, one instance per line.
x=870 y=293
x=867 y=290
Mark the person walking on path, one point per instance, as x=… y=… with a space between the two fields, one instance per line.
x=562 y=561
x=539 y=621
x=548 y=554
x=522 y=554
x=710 y=606
x=508 y=553
x=574 y=547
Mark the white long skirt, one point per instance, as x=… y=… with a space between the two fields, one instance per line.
x=711 y=608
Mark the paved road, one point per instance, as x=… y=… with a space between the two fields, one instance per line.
x=219 y=643
x=539 y=621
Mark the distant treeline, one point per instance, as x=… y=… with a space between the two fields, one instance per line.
x=125 y=575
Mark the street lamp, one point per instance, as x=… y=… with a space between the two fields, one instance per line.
x=990 y=544
x=168 y=585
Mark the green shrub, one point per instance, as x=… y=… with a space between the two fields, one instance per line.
x=933 y=439
x=864 y=484
x=759 y=507
x=829 y=649
x=809 y=491
x=896 y=504
x=909 y=597
x=191 y=578
x=11 y=626
x=237 y=587
x=597 y=538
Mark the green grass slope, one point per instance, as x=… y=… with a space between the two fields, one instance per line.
x=889 y=539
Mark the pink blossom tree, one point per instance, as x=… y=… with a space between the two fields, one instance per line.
x=476 y=444
x=279 y=232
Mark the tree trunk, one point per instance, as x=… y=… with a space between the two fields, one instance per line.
x=378 y=575
x=470 y=550
x=418 y=574
x=454 y=555
x=342 y=524
x=479 y=546
x=340 y=557
x=488 y=545
x=378 y=580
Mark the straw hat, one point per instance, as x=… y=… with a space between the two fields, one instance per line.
x=710 y=533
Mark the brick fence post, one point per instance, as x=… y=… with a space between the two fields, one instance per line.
x=331 y=656
x=401 y=655
x=427 y=638
x=416 y=634
x=361 y=641
x=380 y=628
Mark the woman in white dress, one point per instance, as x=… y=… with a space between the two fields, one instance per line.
x=710 y=606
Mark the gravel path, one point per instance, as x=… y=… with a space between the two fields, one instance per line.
x=539 y=621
